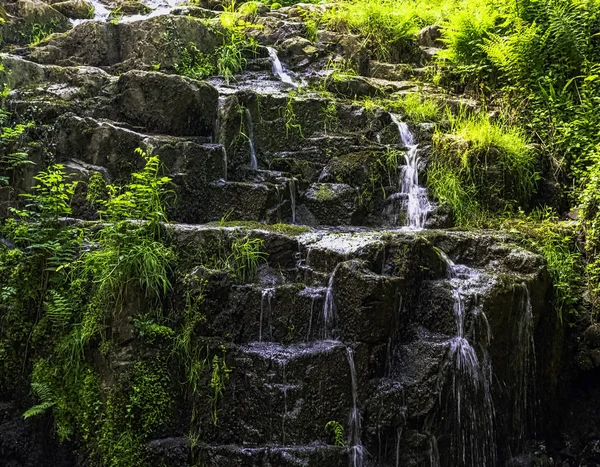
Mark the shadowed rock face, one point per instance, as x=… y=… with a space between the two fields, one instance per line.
x=425 y=319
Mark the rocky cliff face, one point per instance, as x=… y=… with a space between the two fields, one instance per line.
x=426 y=347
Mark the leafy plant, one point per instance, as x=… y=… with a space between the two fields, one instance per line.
x=195 y=64
x=337 y=429
x=245 y=257
x=289 y=117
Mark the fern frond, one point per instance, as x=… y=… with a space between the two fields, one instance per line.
x=37 y=409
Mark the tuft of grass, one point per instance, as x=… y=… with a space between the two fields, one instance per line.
x=481 y=165
x=418 y=109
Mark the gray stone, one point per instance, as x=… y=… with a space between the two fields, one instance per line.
x=167 y=103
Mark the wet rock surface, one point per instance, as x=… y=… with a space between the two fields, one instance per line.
x=355 y=320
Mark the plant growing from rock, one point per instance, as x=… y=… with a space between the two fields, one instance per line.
x=336 y=428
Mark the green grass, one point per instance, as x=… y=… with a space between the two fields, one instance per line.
x=481 y=165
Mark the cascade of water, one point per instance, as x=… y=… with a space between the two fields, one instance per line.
x=278 y=68
x=292 y=188
x=398 y=438
x=329 y=306
x=225 y=163
x=417 y=204
x=250 y=135
x=357 y=449
x=524 y=369
x=266 y=296
x=313 y=293
x=285 y=408
x=471 y=426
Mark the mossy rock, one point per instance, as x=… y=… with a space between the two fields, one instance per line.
x=75 y=9
x=30 y=21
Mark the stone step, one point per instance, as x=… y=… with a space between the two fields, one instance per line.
x=296 y=417
x=173 y=452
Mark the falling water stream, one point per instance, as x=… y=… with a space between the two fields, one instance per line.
x=278 y=70
x=417 y=205
x=471 y=425
x=357 y=449
x=266 y=296
x=250 y=135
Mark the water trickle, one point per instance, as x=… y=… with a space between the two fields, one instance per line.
x=224 y=159
x=356 y=447
x=292 y=188
x=285 y=407
x=313 y=293
x=250 y=135
x=469 y=414
x=278 y=69
x=329 y=307
x=524 y=369
x=398 y=438
x=266 y=296
x=417 y=205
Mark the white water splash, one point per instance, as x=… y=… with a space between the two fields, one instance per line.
x=278 y=69
x=292 y=188
x=250 y=135
x=266 y=296
x=469 y=416
x=417 y=205
x=225 y=163
x=355 y=422
x=329 y=306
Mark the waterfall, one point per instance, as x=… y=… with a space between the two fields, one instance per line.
x=225 y=163
x=329 y=306
x=266 y=296
x=250 y=135
x=417 y=204
x=469 y=415
x=523 y=363
x=292 y=188
x=278 y=70
x=357 y=457
x=313 y=293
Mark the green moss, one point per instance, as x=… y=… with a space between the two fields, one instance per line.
x=324 y=193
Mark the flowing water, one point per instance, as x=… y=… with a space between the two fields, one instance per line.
x=225 y=162
x=417 y=205
x=469 y=416
x=278 y=69
x=292 y=188
x=266 y=296
x=356 y=447
x=329 y=307
x=523 y=363
x=250 y=136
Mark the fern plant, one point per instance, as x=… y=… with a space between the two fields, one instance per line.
x=44 y=393
x=337 y=429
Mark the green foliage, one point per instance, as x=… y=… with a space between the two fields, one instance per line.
x=290 y=119
x=542 y=58
x=337 y=429
x=195 y=64
x=80 y=297
x=557 y=243
x=39 y=32
x=418 y=109
x=331 y=121
x=384 y=24
x=481 y=165
x=230 y=56
x=590 y=220
x=50 y=198
x=245 y=257
x=218 y=380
